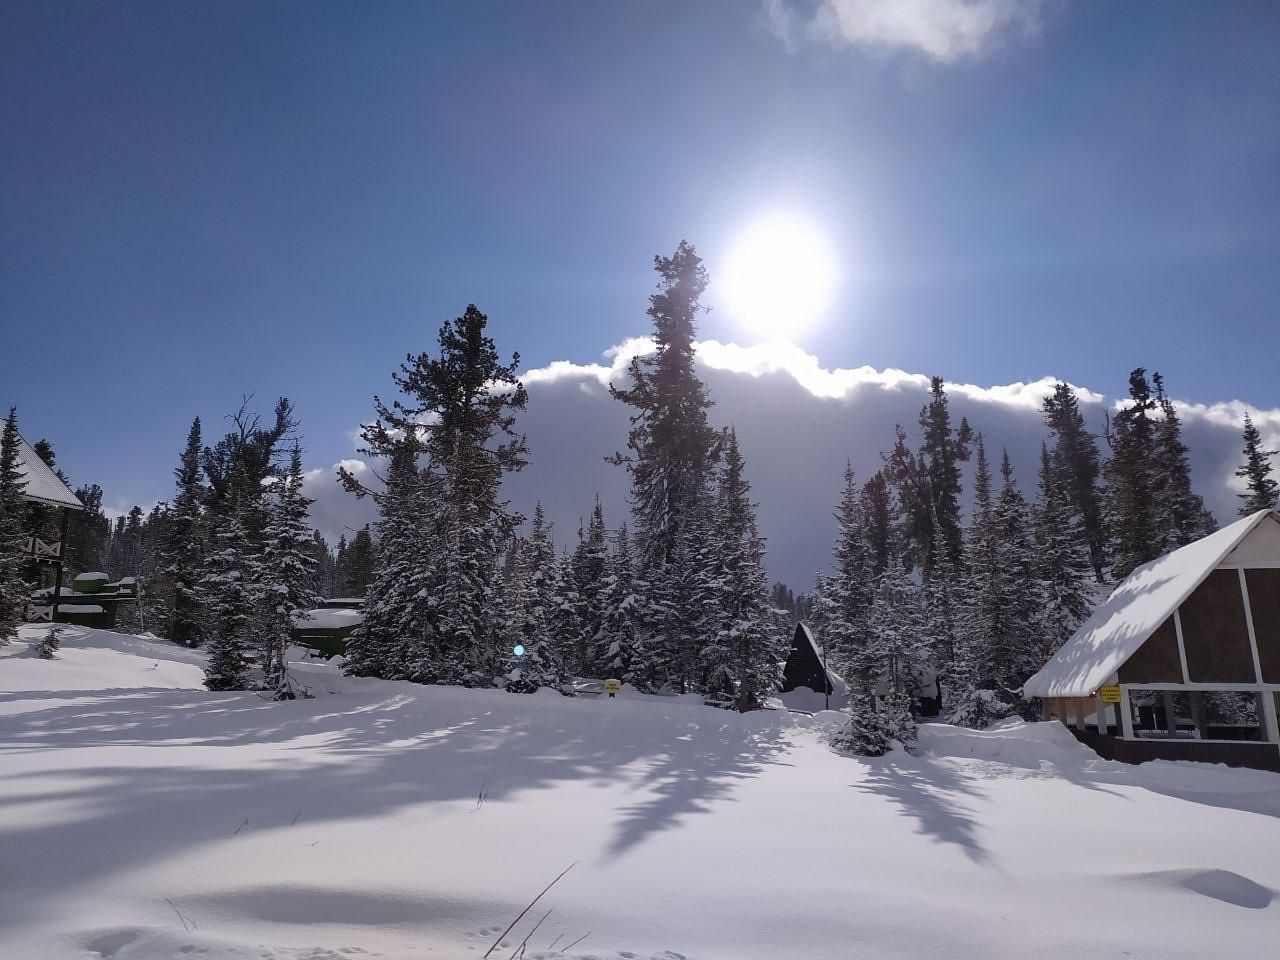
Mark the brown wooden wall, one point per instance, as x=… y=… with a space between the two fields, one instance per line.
x=1264 y=601
x=1157 y=660
x=1214 y=632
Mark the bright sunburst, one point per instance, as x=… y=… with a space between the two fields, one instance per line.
x=780 y=275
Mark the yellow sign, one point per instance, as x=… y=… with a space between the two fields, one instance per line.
x=612 y=686
x=1110 y=694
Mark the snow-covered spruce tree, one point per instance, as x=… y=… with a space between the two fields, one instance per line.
x=942 y=450
x=238 y=470
x=288 y=574
x=1261 y=490
x=532 y=608
x=847 y=592
x=46 y=648
x=743 y=658
x=1062 y=562
x=1132 y=478
x=13 y=592
x=671 y=453
x=621 y=641
x=981 y=624
x=671 y=445
x=684 y=603
x=897 y=651
x=228 y=594
x=879 y=519
x=1181 y=516
x=864 y=732
x=460 y=405
x=590 y=569
x=358 y=563
x=392 y=642
x=1017 y=655
x=1075 y=465
x=87 y=532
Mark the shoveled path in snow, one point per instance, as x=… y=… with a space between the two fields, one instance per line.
x=142 y=817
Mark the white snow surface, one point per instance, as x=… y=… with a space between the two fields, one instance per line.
x=1122 y=622
x=329 y=618
x=142 y=818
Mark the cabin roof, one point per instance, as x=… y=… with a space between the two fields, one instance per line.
x=42 y=484
x=1136 y=607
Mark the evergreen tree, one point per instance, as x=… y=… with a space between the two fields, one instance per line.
x=879 y=520
x=943 y=449
x=1132 y=476
x=185 y=542
x=1261 y=490
x=46 y=648
x=394 y=639
x=322 y=580
x=982 y=622
x=621 y=639
x=240 y=469
x=534 y=573
x=1181 y=516
x=458 y=409
x=13 y=591
x=1016 y=654
x=1075 y=463
x=864 y=732
x=358 y=563
x=1062 y=561
x=743 y=658
x=671 y=445
x=287 y=571
x=848 y=592
x=88 y=531
x=590 y=571
x=228 y=595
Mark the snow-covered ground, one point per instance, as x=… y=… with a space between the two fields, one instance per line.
x=142 y=817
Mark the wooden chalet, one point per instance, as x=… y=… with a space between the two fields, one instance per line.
x=1182 y=660
x=41 y=485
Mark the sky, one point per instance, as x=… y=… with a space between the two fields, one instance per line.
x=203 y=201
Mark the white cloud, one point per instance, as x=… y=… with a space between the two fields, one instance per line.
x=946 y=31
x=797 y=422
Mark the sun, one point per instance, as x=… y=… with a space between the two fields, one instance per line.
x=780 y=275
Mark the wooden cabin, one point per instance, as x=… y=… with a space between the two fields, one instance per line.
x=42 y=485
x=806 y=666
x=1182 y=660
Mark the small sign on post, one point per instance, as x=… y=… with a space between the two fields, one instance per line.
x=1110 y=694
x=612 y=688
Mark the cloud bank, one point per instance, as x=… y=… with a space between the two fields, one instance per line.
x=797 y=422
x=945 y=31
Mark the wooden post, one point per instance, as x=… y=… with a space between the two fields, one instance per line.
x=62 y=553
x=1170 y=720
x=1200 y=714
x=1126 y=714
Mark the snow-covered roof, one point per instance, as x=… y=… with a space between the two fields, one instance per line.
x=42 y=484
x=1143 y=600
x=832 y=677
x=324 y=618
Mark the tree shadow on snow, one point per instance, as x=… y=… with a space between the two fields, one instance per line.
x=933 y=795
x=353 y=756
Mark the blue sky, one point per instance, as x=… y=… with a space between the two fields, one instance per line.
x=203 y=200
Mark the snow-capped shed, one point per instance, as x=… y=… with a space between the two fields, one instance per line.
x=806 y=666
x=1182 y=660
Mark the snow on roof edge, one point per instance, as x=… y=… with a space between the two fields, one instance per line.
x=1123 y=622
